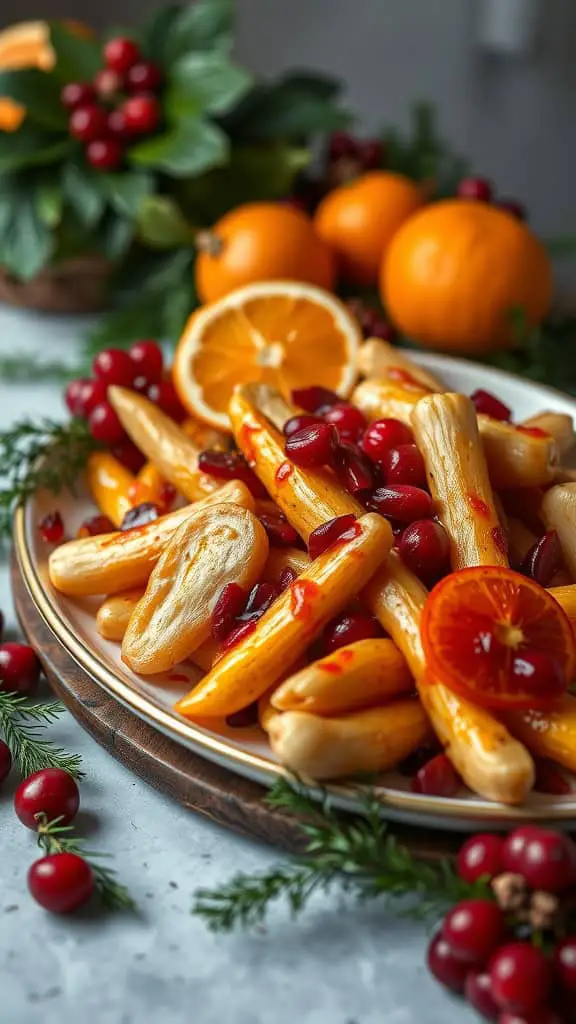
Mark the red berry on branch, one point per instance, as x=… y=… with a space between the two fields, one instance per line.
x=481 y=857
x=514 y=208
x=370 y=153
x=19 y=668
x=116 y=125
x=61 y=882
x=77 y=94
x=104 y=424
x=145 y=76
x=521 y=978
x=5 y=760
x=73 y=396
x=51 y=528
x=88 y=123
x=143 y=114
x=437 y=777
x=475 y=188
x=114 y=366
x=148 y=361
x=108 y=83
x=105 y=154
x=565 y=963
x=548 y=862
x=121 y=54
x=478 y=992
x=474 y=929
x=51 y=792
x=342 y=144
x=165 y=396
x=444 y=966
x=92 y=394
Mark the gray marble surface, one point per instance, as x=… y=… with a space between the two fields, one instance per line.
x=336 y=965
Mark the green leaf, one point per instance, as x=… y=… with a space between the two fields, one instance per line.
x=284 y=110
x=49 y=200
x=128 y=190
x=39 y=93
x=202 y=25
x=205 y=83
x=30 y=147
x=114 y=236
x=157 y=32
x=188 y=149
x=26 y=243
x=77 y=58
x=162 y=225
x=84 y=191
x=313 y=83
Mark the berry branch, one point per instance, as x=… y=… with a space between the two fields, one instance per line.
x=20 y=723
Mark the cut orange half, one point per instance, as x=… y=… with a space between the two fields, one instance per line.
x=284 y=333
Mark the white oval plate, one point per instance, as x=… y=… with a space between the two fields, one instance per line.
x=245 y=751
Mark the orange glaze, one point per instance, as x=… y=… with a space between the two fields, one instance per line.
x=179 y=677
x=477 y=505
x=247 y=430
x=532 y=431
x=285 y=469
x=500 y=539
x=302 y=593
x=404 y=377
x=332 y=667
x=336 y=667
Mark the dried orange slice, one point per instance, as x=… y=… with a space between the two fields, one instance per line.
x=498 y=638
x=284 y=333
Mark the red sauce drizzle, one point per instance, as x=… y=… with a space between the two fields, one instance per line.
x=178 y=677
x=500 y=539
x=302 y=594
x=477 y=505
x=247 y=444
x=285 y=469
x=404 y=377
x=532 y=431
x=337 y=666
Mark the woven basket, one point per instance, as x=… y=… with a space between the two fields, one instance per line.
x=75 y=286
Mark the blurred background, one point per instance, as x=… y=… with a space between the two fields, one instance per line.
x=502 y=74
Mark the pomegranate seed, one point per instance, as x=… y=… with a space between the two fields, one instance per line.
x=280 y=532
x=342 y=144
x=370 y=152
x=548 y=861
x=314 y=398
x=382 y=435
x=474 y=929
x=312 y=446
x=231 y=602
x=475 y=188
x=347 y=419
x=114 y=366
x=147 y=361
x=5 y=761
x=108 y=83
x=353 y=469
x=404 y=465
x=95 y=525
x=19 y=668
x=143 y=114
x=287 y=577
x=513 y=207
x=514 y=846
x=129 y=455
x=487 y=404
x=424 y=547
x=51 y=528
x=246 y=718
x=538 y=673
x=51 y=792
x=478 y=992
x=543 y=559
x=437 y=778
x=77 y=94
x=481 y=857
x=88 y=123
x=73 y=396
x=140 y=515
x=92 y=393
x=550 y=780
x=565 y=963
x=121 y=54
x=104 y=424
x=349 y=628
x=296 y=423
x=61 y=882
x=164 y=395
x=521 y=978
x=259 y=600
x=105 y=154
x=231 y=466
x=444 y=966
x=329 y=533
x=144 y=77
x=238 y=633
x=402 y=502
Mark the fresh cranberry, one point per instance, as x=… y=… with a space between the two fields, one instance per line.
x=72 y=396
x=370 y=153
x=140 y=515
x=347 y=419
x=342 y=144
x=565 y=963
x=548 y=862
x=238 y=633
x=61 y=882
x=87 y=123
x=487 y=404
x=147 y=360
x=353 y=469
x=538 y=672
x=383 y=329
x=514 y=846
x=287 y=577
x=94 y=526
x=19 y=668
x=230 y=604
x=114 y=366
x=521 y=977
x=108 y=83
x=402 y=502
x=382 y=435
x=404 y=465
x=166 y=496
x=543 y=559
x=296 y=423
x=444 y=966
x=475 y=188
x=145 y=76
x=105 y=154
x=165 y=396
x=5 y=760
x=312 y=446
x=550 y=780
x=259 y=600
x=329 y=533
x=51 y=528
x=280 y=532
x=474 y=929
x=437 y=778
x=542 y=1016
x=478 y=992
x=143 y=114
x=51 y=792
x=513 y=207
x=116 y=124
x=93 y=393
x=129 y=455
x=314 y=398
x=348 y=628
x=104 y=424
x=418 y=758
x=121 y=54
x=77 y=94
x=481 y=857
x=231 y=466
x=424 y=547
x=245 y=718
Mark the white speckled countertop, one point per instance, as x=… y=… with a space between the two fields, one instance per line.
x=336 y=965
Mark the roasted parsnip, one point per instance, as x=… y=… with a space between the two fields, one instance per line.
x=566 y=596
x=378 y=360
x=110 y=484
x=115 y=612
x=558 y=511
x=559 y=425
x=148 y=485
x=446 y=432
x=548 y=733
x=284 y=558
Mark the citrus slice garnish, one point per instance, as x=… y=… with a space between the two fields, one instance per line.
x=498 y=638
x=282 y=333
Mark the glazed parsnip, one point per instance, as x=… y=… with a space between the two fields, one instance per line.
x=566 y=596
x=379 y=360
x=204 y=436
x=549 y=734
x=163 y=442
x=284 y=558
x=214 y=547
x=109 y=483
x=205 y=655
x=148 y=485
x=364 y=741
x=558 y=511
x=355 y=676
x=383 y=398
x=559 y=425
x=114 y=613
x=113 y=562
x=295 y=618
x=446 y=432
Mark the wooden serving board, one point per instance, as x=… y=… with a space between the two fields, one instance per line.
x=198 y=784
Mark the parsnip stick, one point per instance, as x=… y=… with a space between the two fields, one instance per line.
x=110 y=483
x=566 y=596
x=204 y=436
x=163 y=442
x=356 y=676
x=284 y=558
x=548 y=733
x=382 y=398
x=447 y=434
x=559 y=425
x=205 y=655
x=148 y=485
x=379 y=360
x=364 y=741
x=114 y=613
x=558 y=511
x=286 y=630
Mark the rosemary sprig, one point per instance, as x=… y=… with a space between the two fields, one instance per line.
x=39 y=456
x=28 y=369
x=358 y=854
x=21 y=723
x=53 y=837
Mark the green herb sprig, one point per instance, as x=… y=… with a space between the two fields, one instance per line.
x=21 y=723
x=27 y=369
x=54 y=837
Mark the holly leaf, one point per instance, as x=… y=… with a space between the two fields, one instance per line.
x=31 y=147
x=187 y=149
x=38 y=92
x=26 y=243
x=49 y=200
x=158 y=31
x=84 y=192
x=205 y=83
x=162 y=225
x=78 y=57
x=313 y=83
x=288 y=109
x=113 y=236
x=203 y=25
x=128 y=191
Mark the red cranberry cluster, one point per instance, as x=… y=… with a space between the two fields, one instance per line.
x=118 y=107
x=488 y=951
x=483 y=190
x=368 y=154
x=236 y=612
x=372 y=322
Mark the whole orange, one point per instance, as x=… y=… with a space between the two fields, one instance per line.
x=261 y=242
x=456 y=270
x=359 y=220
